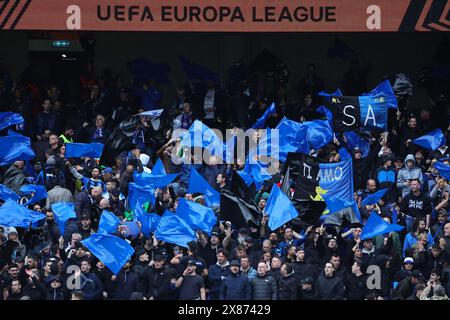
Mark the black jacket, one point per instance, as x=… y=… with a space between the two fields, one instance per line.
x=264 y=288
x=235 y=287
x=288 y=288
x=330 y=288
x=157 y=283
x=356 y=287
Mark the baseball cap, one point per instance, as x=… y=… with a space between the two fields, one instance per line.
x=107 y=170
x=235 y=263
x=215 y=233
x=158 y=257
x=191 y=263
x=248 y=239
x=265 y=196
x=408 y=260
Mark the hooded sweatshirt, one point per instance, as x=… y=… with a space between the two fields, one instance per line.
x=406 y=174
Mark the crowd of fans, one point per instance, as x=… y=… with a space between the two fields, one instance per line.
x=314 y=262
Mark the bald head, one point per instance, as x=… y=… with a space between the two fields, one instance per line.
x=447 y=229
x=371 y=185
x=96 y=192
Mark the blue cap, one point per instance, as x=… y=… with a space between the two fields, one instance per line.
x=107 y=170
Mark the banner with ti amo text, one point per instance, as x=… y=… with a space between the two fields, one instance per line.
x=226 y=15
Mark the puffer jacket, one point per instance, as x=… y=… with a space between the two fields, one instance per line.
x=264 y=288
x=406 y=174
x=14 y=179
x=235 y=287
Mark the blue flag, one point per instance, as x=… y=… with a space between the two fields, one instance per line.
x=385 y=89
x=254 y=173
x=113 y=251
x=39 y=193
x=373 y=198
x=336 y=180
x=279 y=208
x=63 y=211
x=337 y=93
x=15 y=147
x=443 y=169
x=195 y=71
x=326 y=112
x=375 y=226
x=198 y=184
x=143 y=70
x=14 y=215
x=197 y=216
x=293 y=138
x=158 y=168
x=261 y=122
x=6 y=194
x=149 y=180
x=352 y=112
x=109 y=223
x=149 y=222
x=200 y=135
x=88 y=150
x=132 y=229
x=8 y=119
x=432 y=140
x=394 y=216
x=142 y=194
x=355 y=139
x=172 y=229
x=318 y=133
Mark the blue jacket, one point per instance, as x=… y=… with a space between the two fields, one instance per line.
x=91 y=286
x=215 y=274
x=126 y=283
x=411 y=239
x=235 y=287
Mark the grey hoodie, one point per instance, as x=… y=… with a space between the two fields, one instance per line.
x=406 y=174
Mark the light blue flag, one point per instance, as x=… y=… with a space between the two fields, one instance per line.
x=172 y=229
x=257 y=173
x=385 y=89
x=15 y=147
x=113 y=251
x=279 y=208
x=8 y=119
x=14 y=215
x=6 y=194
x=63 y=211
x=356 y=140
x=145 y=179
x=261 y=122
x=200 y=135
x=373 y=198
x=158 y=168
x=39 y=193
x=197 y=216
x=375 y=226
x=109 y=223
x=198 y=184
x=142 y=194
x=443 y=169
x=373 y=111
x=88 y=150
x=431 y=140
